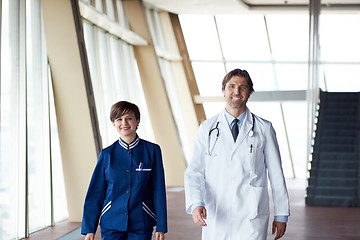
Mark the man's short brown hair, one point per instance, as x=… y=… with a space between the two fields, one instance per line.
x=240 y=73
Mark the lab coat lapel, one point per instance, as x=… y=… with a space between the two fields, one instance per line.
x=245 y=129
x=226 y=129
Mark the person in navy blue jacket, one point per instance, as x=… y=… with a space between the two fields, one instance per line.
x=127 y=189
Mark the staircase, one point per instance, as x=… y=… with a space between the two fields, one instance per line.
x=335 y=167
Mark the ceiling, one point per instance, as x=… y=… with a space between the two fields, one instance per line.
x=245 y=6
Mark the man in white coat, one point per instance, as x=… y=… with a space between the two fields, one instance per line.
x=226 y=182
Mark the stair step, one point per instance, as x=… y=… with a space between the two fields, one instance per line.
x=344 y=112
x=349 y=156
x=338 y=133
x=339 y=104
x=334 y=165
x=332 y=191
x=336 y=148
x=337 y=182
x=333 y=173
x=346 y=98
x=332 y=201
x=340 y=125
x=337 y=118
x=335 y=140
x=338 y=165
x=341 y=96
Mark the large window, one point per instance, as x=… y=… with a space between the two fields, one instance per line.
x=340 y=52
x=273 y=51
x=37 y=119
x=12 y=123
x=27 y=125
x=167 y=73
x=113 y=70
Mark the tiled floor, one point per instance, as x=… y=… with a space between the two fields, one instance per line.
x=305 y=222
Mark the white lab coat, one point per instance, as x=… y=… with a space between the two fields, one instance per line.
x=231 y=180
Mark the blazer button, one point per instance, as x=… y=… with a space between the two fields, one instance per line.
x=125 y=213
x=127 y=170
x=127 y=192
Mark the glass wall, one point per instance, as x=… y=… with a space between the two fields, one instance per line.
x=27 y=125
x=12 y=125
x=340 y=52
x=38 y=125
x=167 y=73
x=114 y=72
x=273 y=51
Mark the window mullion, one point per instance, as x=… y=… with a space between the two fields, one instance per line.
x=22 y=177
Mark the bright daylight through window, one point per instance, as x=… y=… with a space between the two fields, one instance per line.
x=274 y=49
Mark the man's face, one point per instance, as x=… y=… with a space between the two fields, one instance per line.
x=236 y=92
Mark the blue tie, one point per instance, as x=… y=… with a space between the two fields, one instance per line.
x=235 y=129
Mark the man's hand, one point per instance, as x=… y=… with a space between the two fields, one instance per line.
x=89 y=236
x=279 y=228
x=160 y=236
x=199 y=216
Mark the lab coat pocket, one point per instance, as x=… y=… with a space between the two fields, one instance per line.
x=259 y=226
x=212 y=165
x=258 y=168
x=261 y=200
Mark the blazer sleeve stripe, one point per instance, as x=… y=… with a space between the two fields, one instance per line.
x=106 y=208
x=148 y=211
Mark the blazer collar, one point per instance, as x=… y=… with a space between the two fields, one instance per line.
x=131 y=145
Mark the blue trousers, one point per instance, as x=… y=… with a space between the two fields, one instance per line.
x=108 y=234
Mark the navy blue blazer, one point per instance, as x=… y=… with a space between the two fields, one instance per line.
x=127 y=189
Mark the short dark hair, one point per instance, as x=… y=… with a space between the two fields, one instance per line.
x=120 y=108
x=240 y=73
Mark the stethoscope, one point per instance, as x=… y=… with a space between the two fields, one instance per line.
x=251 y=133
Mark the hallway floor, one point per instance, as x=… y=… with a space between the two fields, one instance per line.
x=305 y=222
